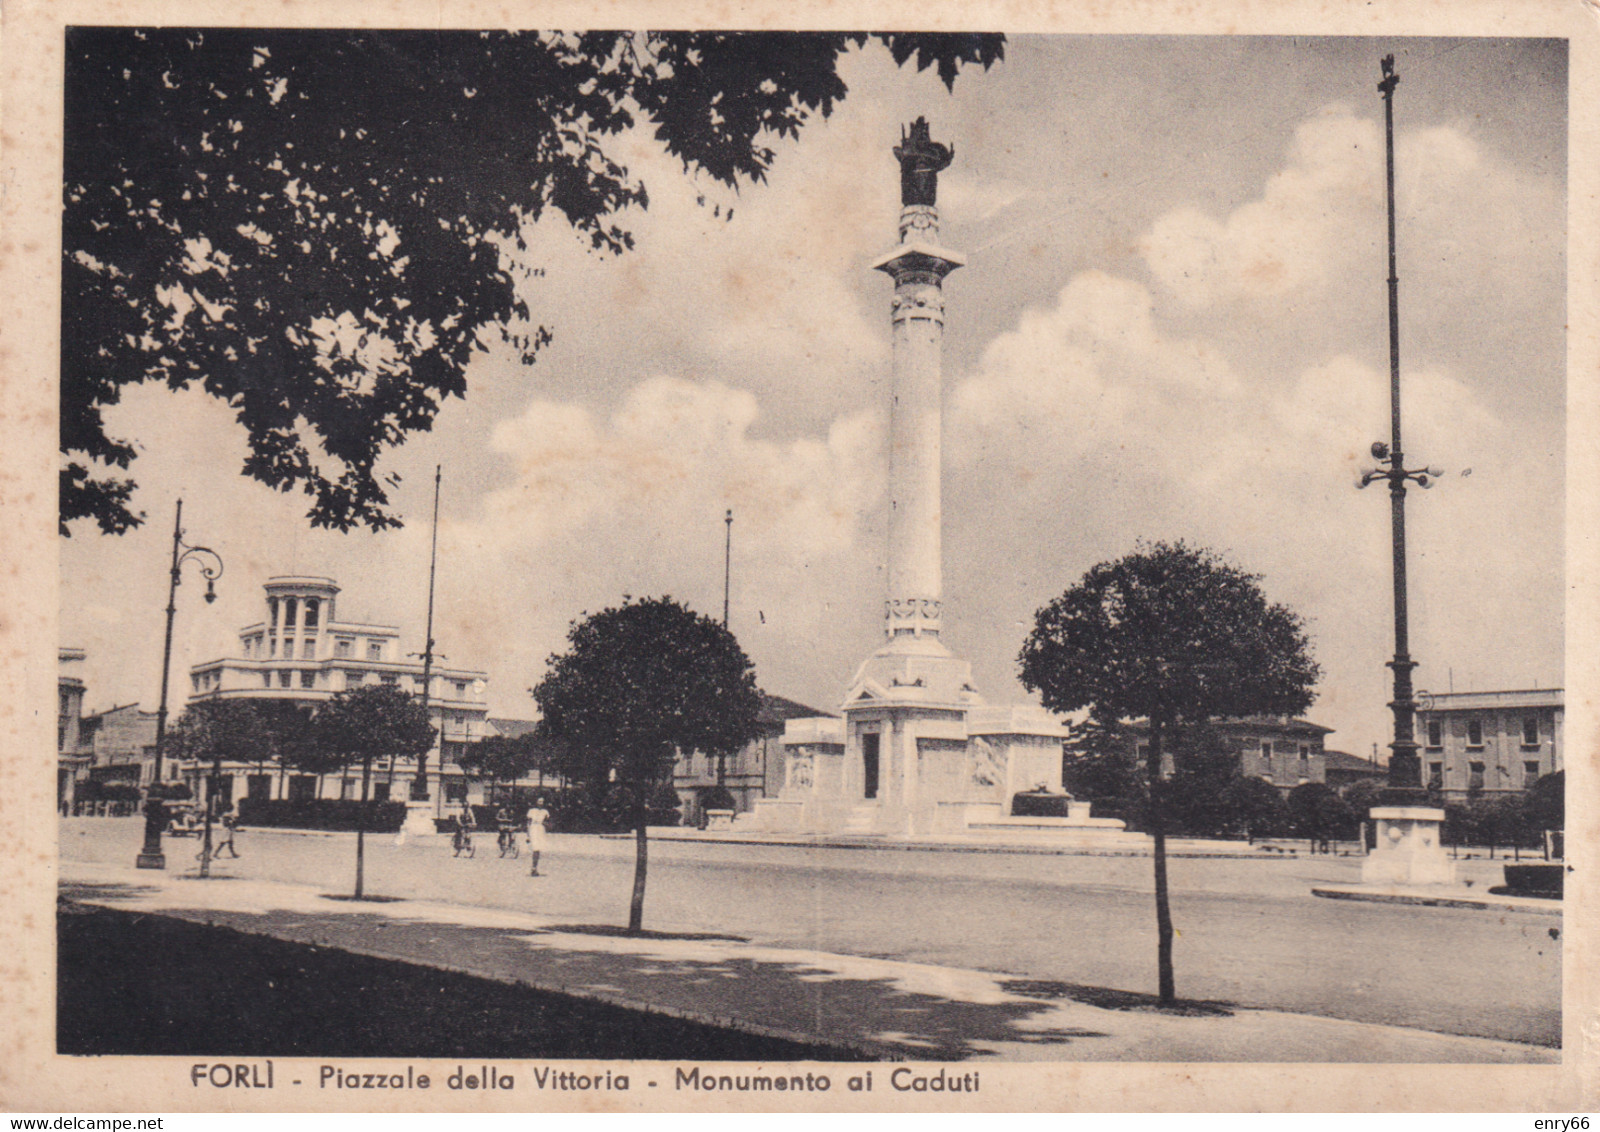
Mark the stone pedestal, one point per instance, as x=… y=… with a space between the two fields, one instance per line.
x=1409 y=849
x=419 y=819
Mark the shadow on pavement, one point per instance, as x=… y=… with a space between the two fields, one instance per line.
x=750 y=1003
x=1108 y=999
x=644 y=933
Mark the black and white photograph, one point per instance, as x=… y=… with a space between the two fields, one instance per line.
x=744 y=567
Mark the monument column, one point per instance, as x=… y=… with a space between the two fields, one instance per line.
x=918 y=266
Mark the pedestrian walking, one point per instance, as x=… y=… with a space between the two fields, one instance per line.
x=230 y=825
x=465 y=824
x=537 y=820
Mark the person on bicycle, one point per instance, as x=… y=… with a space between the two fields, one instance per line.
x=504 y=829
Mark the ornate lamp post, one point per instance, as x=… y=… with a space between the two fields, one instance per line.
x=1405 y=769
x=210 y=562
x=1409 y=850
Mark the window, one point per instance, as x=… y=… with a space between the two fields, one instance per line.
x=1474 y=733
x=461 y=689
x=1530 y=772
x=455 y=790
x=1530 y=731
x=354 y=678
x=1305 y=752
x=1435 y=776
x=308 y=679
x=1266 y=755
x=272 y=612
x=374 y=650
x=272 y=646
x=195 y=680
x=1435 y=734
x=266 y=679
x=1474 y=776
x=308 y=648
x=311 y=613
x=343 y=647
x=288 y=613
x=380 y=791
x=285 y=678
x=390 y=679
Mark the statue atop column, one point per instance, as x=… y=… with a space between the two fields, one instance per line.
x=921 y=158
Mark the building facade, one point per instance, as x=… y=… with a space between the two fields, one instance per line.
x=301 y=652
x=755 y=772
x=1279 y=750
x=124 y=743
x=73 y=755
x=1489 y=742
x=1344 y=769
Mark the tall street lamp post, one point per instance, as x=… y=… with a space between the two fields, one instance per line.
x=1405 y=769
x=1409 y=850
x=210 y=563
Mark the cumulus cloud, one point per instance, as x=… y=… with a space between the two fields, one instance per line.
x=1318 y=226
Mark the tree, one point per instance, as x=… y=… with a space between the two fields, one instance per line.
x=218 y=731
x=1098 y=765
x=1319 y=814
x=502 y=758
x=371 y=722
x=321 y=228
x=1546 y=803
x=1257 y=808
x=1204 y=766
x=1172 y=635
x=639 y=683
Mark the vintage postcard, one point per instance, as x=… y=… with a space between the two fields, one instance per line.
x=615 y=558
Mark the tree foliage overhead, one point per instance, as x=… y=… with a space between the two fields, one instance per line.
x=308 y=225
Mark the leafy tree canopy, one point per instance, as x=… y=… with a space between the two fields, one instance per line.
x=1171 y=634
x=503 y=758
x=232 y=731
x=309 y=225
x=643 y=681
x=371 y=722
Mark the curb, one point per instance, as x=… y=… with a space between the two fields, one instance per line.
x=961 y=847
x=1543 y=908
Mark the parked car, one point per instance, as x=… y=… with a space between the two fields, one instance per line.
x=184 y=820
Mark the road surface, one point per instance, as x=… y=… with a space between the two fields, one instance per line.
x=1249 y=930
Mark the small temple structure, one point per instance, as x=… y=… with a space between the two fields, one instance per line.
x=918 y=751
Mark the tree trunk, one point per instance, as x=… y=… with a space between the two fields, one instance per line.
x=641 y=864
x=361 y=827
x=211 y=804
x=1167 y=992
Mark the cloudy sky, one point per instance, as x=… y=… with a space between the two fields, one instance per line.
x=1172 y=325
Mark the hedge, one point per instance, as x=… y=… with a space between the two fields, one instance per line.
x=337 y=814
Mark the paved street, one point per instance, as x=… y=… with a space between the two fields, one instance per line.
x=1249 y=930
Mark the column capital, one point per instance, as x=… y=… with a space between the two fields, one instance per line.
x=919 y=259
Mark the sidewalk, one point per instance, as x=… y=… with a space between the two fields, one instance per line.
x=884 y=1007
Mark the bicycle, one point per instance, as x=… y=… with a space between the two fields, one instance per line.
x=508 y=842
x=461 y=842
